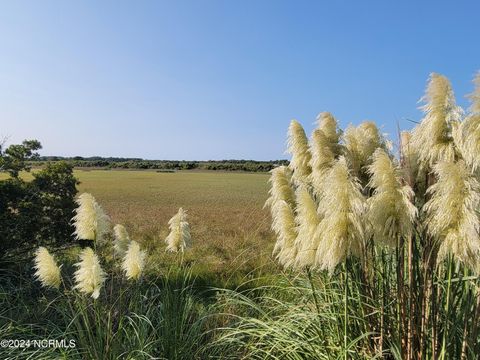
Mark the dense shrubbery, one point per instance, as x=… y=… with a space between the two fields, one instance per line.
x=127 y=163
x=35 y=212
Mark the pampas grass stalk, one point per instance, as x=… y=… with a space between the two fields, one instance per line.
x=390 y=211
x=179 y=237
x=432 y=139
x=299 y=149
x=47 y=270
x=89 y=276
x=452 y=212
x=134 y=261
x=90 y=220
x=121 y=240
x=324 y=149
x=341 y=230
x=402 y=234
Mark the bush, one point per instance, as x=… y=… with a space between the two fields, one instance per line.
x=37 y=212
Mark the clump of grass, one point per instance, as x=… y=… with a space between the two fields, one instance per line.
x=399 y=234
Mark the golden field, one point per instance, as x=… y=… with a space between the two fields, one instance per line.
x=230 y=229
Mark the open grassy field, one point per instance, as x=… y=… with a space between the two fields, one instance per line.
x=230 y=228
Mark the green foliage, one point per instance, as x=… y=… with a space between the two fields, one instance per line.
x=37 y=212
x=14 y=159
x=161 y=317
x=126 y=163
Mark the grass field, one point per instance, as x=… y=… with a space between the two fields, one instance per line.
x=230 y=228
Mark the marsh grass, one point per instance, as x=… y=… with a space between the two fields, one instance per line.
x=161 y=317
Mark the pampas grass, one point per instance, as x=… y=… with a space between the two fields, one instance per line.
x=324 y=149
x=89 y=276
x=341 y=230
x=307 y=220
x=90 y=221
x=179 y=237
x=121 y=240
x=432 y=138
x=47 y=270
x=468 y=136
x=360 y=144
x=134 y=261
x=298 y=148
x=390 y=211
x=402 y=234
x=452 y=212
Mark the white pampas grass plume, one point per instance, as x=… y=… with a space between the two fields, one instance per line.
x=390 y=210
x=281 y=186
x=452 y=216
x=298 y=148
x=121 y=240
x=307 y=219
x=89 y=277
x=468 y=136
x=47 y=270
x=432 y=139
x=341 y=230
x=360 y=143
x=90 y=221
x=134 y=261
x=324 y=149
x=283 y=224
x=282 y=205
x=408 y=158
x=328 y=125
x=179 y=237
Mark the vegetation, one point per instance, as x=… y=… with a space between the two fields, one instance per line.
x=161 y=165
x=398 y=237
x=36 y=212
x=378 y=254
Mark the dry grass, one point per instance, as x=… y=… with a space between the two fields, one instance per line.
x=230 y=228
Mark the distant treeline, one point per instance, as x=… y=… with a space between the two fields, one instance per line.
x=137 y=163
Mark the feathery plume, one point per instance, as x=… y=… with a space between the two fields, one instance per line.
x=390 y=211
x=360 y=143
x=283 y=224
x=89 y=277
x=468 y=136
x=282 y=204
x=324 y=149
x=452 y=216
x=328 y=125
x=341 y=230
x=298 y=148
x=280 y=186
x=432 y=138
x=307 y=219
x=179 y=238
x=134 y=261
x=47 y=270
x=121 y=240
x=90 y=221
x=408 y=158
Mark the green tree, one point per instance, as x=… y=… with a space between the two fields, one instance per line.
x=36 y=212
x=14 y=159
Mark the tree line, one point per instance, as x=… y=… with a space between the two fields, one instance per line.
x=168 y=165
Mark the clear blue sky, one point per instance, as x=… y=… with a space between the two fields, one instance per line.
x=220 y=79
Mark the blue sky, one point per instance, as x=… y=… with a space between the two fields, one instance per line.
x=220 y=79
